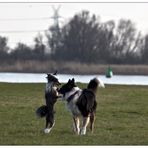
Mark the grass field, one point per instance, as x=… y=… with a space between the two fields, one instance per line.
x=122 y=117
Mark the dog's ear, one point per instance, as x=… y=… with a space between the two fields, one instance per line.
x=47 y=75
x=69 y=81
x=55 y=73
x=73 y=80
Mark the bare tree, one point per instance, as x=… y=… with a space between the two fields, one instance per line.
x=3 y=48
x=125 y=39
x=22 y=52
x=39 y=47
x=78 y=38
x=144 y=51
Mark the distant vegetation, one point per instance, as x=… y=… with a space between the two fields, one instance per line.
x=83 y=39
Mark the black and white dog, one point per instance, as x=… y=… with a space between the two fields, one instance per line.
x=81 y=103
x=51 y=96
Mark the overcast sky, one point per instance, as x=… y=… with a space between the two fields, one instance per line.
x=21 y=22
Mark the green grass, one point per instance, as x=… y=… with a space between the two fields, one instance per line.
x=122 y=117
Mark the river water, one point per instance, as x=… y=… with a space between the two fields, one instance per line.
x=40 y=78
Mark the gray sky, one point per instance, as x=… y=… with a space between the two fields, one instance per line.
x=21 y=22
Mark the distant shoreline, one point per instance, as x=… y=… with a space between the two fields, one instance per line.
x=31 y=66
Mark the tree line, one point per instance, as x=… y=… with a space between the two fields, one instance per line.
x=84 y=38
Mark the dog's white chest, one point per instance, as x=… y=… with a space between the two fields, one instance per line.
x=48 y=87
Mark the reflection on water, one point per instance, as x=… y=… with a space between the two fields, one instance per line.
x=40 y=78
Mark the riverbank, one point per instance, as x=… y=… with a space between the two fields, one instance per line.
x=31 y=66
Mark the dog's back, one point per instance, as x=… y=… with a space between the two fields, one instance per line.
x=87 y=103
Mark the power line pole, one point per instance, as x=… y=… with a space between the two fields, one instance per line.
x=56 y=17
x=55 y=33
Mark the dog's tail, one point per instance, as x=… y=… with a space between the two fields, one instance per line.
x=94 y=84
x=42 y=111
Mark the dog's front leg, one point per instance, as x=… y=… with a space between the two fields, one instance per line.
x=76 y=125
x=59 y=96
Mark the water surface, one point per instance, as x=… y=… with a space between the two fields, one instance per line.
x=40 y=78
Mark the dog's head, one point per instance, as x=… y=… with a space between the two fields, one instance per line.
x=53 y=78
x=67 y=87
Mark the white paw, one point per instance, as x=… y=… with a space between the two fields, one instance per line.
x=47 y=130
x=83 y=131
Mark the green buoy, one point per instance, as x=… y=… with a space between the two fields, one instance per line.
x=109 y=72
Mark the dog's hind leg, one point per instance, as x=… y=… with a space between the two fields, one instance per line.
x=49 y=123
x=84 y=125
x=76 y=125
x=92 y=120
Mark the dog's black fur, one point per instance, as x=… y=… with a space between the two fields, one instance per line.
x=51 y=95
x=42 y=111
x=86 y=102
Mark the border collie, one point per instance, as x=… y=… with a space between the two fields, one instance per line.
x=81 y=103
x=51 y=95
